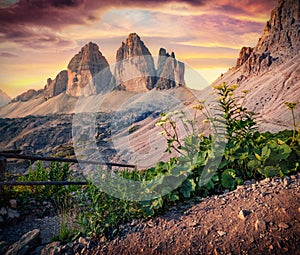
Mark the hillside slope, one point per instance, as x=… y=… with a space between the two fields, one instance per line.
x=270 y=72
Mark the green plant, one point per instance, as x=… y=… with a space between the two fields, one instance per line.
x=55 y=172
x=292 y=106
x=100 y=213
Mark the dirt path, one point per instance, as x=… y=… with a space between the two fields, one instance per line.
x=271 y=224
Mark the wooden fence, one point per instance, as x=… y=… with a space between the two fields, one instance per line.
x=16 y=154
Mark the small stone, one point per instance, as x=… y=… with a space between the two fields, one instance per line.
x=266 y=180
x=286 y=182
x=263 y=194
x=299 y=209
x=13 y=203
x=247 y=182
x=51 y=248
x=283 y=225
x=150 y=224
x=260 y=225
x=82 y=240
x=271 y=247
x=221 y=233
x=226 y=191
x=243 y=214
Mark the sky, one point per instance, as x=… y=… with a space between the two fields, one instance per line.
x=39 y=37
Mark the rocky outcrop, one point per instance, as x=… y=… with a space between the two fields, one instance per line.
x=170 y=72
x=28 y=95
x=26 y=244
x=88 y=72
x=56 y=86
x=134 y=70
x=243 y=56
x=281 y=36
x=4 y=98
x=270 y=72
x=279 y=42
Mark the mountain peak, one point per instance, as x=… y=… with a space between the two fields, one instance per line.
x=170 y=72
x=279 y=42
x=270 y=72
x=88 y=72
x=134 y=70
x=281 y=34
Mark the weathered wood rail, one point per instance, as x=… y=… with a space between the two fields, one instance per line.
x=15 y=154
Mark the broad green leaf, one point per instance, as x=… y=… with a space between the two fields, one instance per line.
x=187 y=187
x=265 y=152
x=270 y=171
x=228 y=179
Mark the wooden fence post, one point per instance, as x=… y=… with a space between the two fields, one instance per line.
x=3 y=162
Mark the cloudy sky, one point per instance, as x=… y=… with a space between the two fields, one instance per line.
x=39 y=37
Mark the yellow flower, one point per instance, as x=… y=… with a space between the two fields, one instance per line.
x=159 y=123
x=219 y=86
x=233 y=87
x=164 y=118
x=198 y=107
x=290 y=105
x=221 y=98
x=201 y=135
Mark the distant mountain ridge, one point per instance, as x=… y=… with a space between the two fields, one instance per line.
x=270 y=72
x=4 y=98
x=88 y=72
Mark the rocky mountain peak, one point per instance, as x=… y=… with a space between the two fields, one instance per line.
x=170 y=72
x=280 y=40
x=281 y=34
x=270 y=72
x=134 y=70
x=88 y=72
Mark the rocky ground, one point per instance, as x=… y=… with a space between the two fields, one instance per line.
x=258 y=217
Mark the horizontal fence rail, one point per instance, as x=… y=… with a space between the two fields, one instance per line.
x=4 y=155
x=39 y=183
x=67 y=160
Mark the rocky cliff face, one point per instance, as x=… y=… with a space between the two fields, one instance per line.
x=4 y=98
x=88 y=72
x=279 y=42
x=170 y=72
x=271 y=70
x=56 y=86
x=134 y=70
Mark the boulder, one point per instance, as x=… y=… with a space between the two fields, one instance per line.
x=28 y=242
